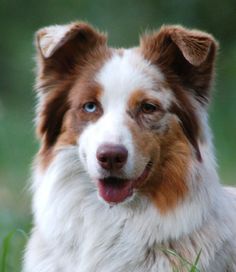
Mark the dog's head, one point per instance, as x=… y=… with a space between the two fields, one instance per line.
x=133 y=114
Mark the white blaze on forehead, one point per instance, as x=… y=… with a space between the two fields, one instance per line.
x=124 y=74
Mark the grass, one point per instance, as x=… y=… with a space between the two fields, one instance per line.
x=16 y=152
x=6 y=249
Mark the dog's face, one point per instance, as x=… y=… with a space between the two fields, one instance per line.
x=132 y=114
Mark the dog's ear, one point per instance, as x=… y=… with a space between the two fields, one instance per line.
x=184 y=55
x=60 y=47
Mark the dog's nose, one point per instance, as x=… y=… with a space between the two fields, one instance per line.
x=112 y=157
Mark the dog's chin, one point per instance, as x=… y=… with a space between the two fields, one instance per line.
x=114 y=190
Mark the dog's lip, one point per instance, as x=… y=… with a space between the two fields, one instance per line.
x=115 y=189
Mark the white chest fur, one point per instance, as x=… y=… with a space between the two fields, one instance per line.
x=78 y=233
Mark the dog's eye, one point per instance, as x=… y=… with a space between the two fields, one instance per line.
x=90 y=107
x=148 y=108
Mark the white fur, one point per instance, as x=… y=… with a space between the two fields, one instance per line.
x=87 y=235
x=75 y=232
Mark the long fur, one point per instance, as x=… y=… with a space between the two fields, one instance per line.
x=75 y=230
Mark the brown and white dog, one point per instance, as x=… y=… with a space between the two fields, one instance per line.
x=126 y=168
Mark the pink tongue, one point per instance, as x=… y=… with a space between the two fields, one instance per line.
x=115 y=190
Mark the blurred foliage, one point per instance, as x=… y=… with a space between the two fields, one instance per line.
x=124 y=21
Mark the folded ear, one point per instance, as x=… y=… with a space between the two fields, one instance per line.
x=61 y=46
x=184 y=55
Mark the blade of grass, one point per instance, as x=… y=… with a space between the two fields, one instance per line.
x=5 y=249
x=173 y=253
x=6 y=246
x=194 y=267
x=184 y=262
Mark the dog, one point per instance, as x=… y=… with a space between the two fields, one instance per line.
x=125 y=179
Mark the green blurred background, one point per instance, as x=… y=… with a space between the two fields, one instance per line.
x=124 y=20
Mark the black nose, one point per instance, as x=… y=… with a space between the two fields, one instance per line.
x=112 y=157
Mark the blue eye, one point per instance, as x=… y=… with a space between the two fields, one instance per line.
x=90 y=107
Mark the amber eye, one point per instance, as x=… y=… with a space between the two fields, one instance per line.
x=148 y=108
x=90 y=107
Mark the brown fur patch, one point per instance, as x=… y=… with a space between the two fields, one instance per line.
x=188 y=118
x=52 y=122
x=167 y=184
x=84 y=92
x=146 y=142
x=169 y=151
x=52 y=113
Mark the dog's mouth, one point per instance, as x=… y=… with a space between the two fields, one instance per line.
x=116 y=190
